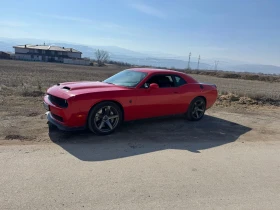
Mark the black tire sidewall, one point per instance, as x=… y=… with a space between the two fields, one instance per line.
x=189 y=112
x=96 y=108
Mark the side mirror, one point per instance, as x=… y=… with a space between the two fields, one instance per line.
x=154 y=86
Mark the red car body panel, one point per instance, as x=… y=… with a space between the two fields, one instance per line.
x=137 y=102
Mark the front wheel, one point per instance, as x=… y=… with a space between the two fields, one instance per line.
x=104 y=118
x=196 y=109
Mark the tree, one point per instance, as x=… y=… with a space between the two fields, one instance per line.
x=101 y=56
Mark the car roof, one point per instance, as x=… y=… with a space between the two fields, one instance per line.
x=155 y=70
x=152 y=70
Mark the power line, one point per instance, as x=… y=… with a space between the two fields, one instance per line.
x=198 y=62
x=216 y=65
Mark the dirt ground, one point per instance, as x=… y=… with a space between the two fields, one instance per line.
x=220 y=125
x=228 y=160
x=23 y=120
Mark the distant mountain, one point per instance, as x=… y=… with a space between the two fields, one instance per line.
x=148 y=58
x=88 y=51
x=256 y=68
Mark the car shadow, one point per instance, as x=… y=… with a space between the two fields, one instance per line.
x=145 y=136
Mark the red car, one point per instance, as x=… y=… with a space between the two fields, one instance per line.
x=128 y=95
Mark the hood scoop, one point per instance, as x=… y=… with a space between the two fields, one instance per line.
x=73 y=86
x=66 y=88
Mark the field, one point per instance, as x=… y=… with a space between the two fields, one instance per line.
x=17 y=77
x=22 y=85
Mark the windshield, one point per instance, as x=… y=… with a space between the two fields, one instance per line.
x=127 y=78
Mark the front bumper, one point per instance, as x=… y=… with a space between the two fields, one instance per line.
x=60 y=126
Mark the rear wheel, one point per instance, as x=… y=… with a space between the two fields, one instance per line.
x=104 y=118
x=196 y=109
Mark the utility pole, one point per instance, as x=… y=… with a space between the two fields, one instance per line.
x=189 y=60
x=216 y=65
x=198 y=62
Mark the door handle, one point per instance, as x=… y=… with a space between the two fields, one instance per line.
x=176 y=92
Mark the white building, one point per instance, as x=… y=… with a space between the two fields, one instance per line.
x=47 y=53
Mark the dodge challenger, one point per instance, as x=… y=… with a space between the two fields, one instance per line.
x=131 y=94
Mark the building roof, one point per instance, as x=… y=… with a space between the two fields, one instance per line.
x=47 y=47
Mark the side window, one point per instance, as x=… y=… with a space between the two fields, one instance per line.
x=163 y=81
x=179 y=81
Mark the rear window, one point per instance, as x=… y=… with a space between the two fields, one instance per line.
x=180 y=81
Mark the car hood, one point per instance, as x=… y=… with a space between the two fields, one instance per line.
x=68 y=89
x=84 y=85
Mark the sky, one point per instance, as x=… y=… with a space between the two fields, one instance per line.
x=244 y=30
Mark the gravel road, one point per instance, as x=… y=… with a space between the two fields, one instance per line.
x=227 y=161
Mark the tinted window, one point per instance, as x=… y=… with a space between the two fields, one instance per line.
x=180 y=81
x=163 y=81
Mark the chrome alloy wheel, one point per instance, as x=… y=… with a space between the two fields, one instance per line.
x=198 y=109
x=106 y=119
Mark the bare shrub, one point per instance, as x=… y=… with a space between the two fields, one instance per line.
x=28 y=91
x=236 y=75
x=39 y=86
x=247 y=100
x=223 y=92
x=101 y=57
x=119 y=63
x=229 y=97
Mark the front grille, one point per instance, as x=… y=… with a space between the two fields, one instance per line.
x=58 y=101
x=57 y=117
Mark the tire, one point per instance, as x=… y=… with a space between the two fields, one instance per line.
x=104 y=118
x=196 y=109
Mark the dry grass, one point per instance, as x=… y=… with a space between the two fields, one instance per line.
x=237 y=75
x=31 y=79
x=21 y=76
x=256 y=90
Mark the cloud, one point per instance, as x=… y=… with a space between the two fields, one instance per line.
x=144 y=8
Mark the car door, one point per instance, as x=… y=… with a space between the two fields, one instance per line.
x=183 y=93
x=158 y=102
